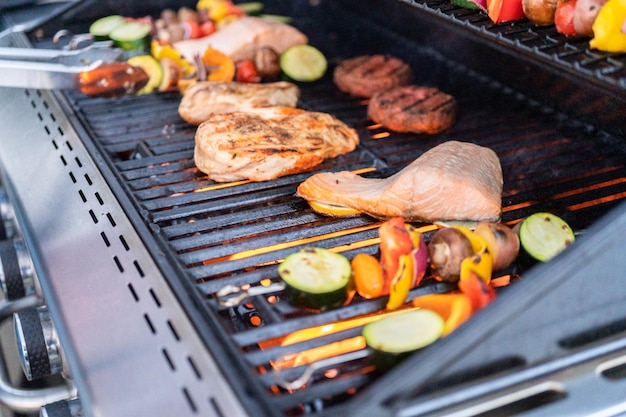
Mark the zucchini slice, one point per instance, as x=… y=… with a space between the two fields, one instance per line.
x=132 y=36
x=394 y=337
x=316 y=278
x=101 y=28
x=251 y=8
x=544 y=235
x=303 y=63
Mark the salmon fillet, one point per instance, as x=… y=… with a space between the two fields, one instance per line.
x=269 y=143
x=243 y=37
x=207 y=97
x=452 y=181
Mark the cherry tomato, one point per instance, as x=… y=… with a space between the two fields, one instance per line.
x=246 y=72
x=192 y=29
x=207 y=28
x=564 y=17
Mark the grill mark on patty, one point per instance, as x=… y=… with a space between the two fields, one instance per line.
x=429 y=104
x=366 y=75
x=413 y=109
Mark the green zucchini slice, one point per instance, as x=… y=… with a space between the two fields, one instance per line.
x=101 y=28
x=303 y=63
x=544 y=235
x=316 y=278
x=132 y=36
x=251 y=8
x=394 y=337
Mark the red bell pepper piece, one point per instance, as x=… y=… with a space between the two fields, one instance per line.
x=501 y=11
x=479 y=292
x=395 y=241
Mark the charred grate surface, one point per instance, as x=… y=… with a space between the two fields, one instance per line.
x=236 y=233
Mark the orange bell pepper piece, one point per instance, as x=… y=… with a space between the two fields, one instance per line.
x=455 y=309
x=220 y=67
x=368 y=275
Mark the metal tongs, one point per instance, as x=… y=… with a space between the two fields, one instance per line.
x=232 y=295
x=52 y=68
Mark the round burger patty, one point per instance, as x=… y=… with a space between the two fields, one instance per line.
x=413 y=109
x=366 y=75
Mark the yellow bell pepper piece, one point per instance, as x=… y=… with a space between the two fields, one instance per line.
x=401 y=282
x=607 y=28
x=414 y=235
x=481 y=264
x=159 y=51
x=479 y=243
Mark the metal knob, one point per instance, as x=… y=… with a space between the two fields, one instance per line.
x=7 y=216
x=17 y=273
x=64 y=408
x=38 y=343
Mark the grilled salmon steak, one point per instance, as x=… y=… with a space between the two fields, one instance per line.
x=452 y=181
x=413 y=109
x=269 y=143
x=204 y=98
x=364 y=76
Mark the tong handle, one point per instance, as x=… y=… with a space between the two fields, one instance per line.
x=232 y=295
x=304 y=379
x=97 y=51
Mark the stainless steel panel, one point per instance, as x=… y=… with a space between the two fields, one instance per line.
x=129 y=344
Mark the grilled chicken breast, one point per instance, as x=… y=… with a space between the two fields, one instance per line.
x=243 y=37
x=452 y=181
x=413 y=109
x=269 y=143
x=364 y=76
x=205 y=98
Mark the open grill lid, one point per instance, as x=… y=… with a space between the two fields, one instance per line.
x=217 y=234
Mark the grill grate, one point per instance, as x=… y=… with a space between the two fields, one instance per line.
x=236 y=233
x=543 y=42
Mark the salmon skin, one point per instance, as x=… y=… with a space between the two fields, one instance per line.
x=452 y=181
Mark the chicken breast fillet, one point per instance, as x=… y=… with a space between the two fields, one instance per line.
x=452 y=181
x=204 y=98
x=269 y=143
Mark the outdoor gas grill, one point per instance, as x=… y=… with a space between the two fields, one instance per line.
x=126 y=243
